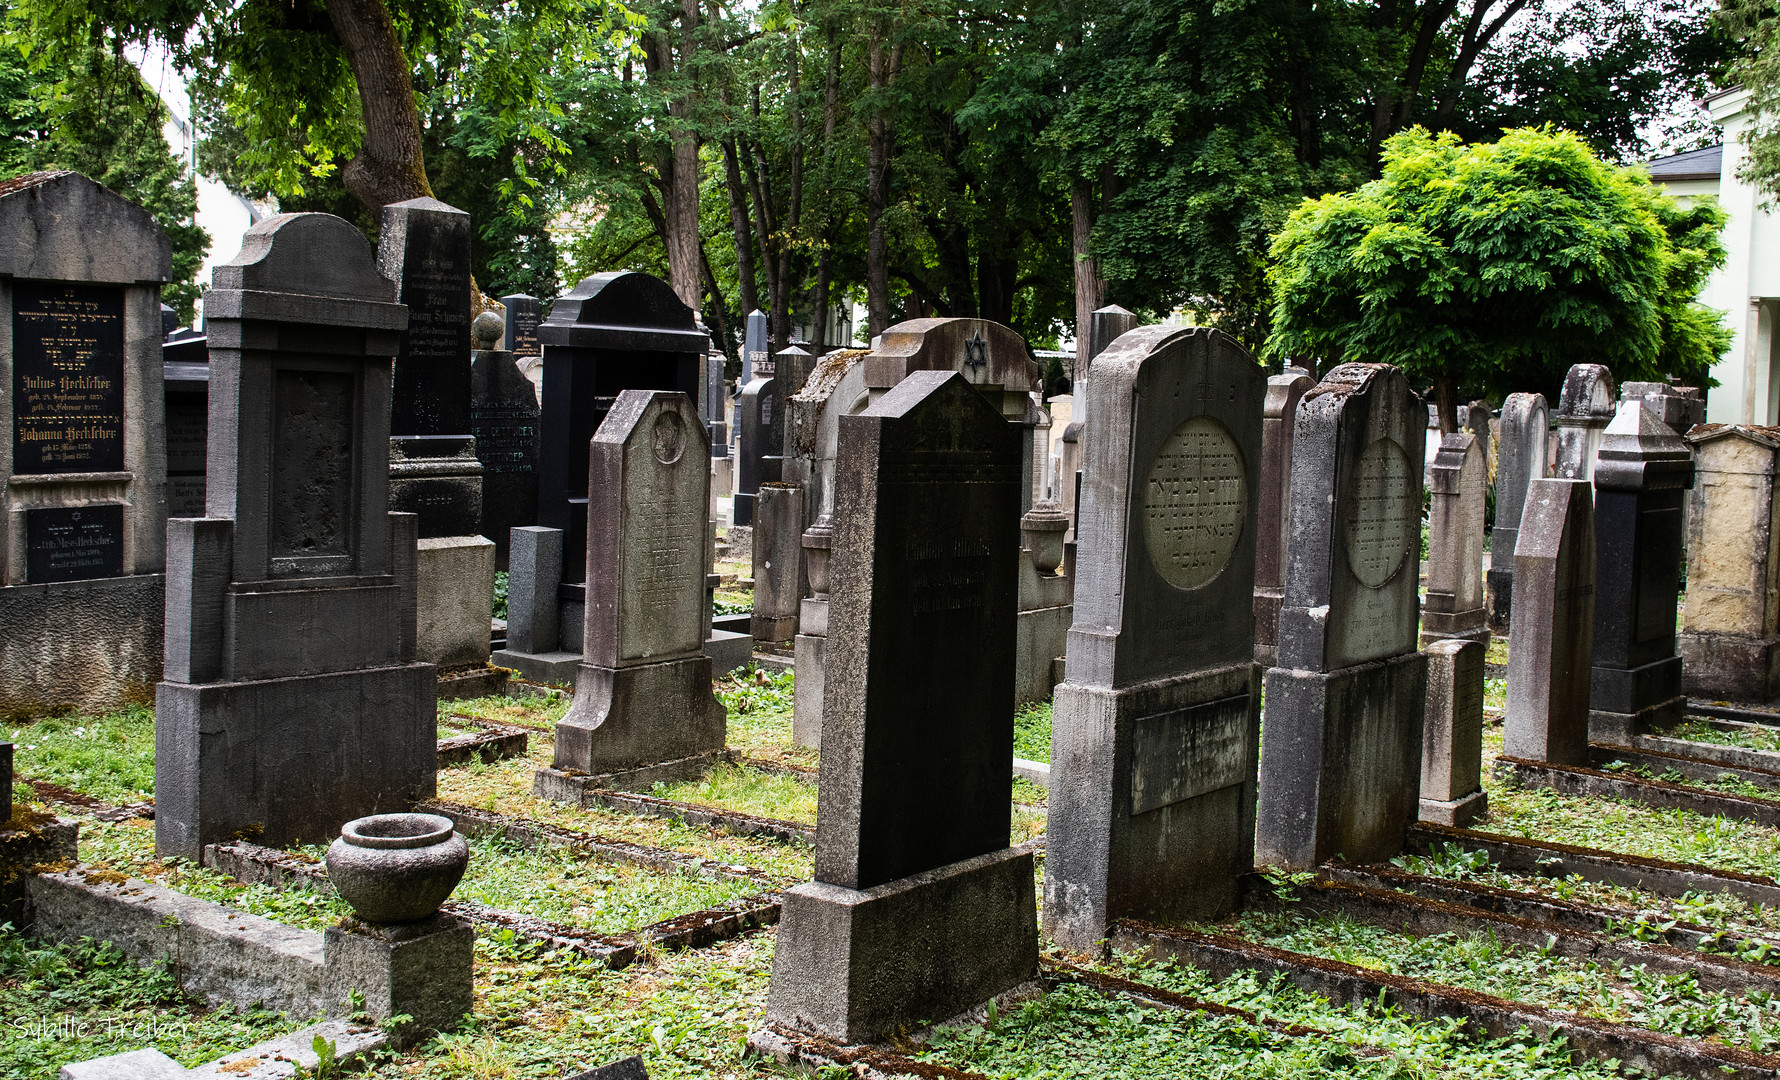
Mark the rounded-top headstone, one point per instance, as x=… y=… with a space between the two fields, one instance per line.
x=62 y=226
x=1588 y=391
x=622 y=298
x=308 y=254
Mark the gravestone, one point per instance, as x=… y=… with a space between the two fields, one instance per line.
x=1278 y=419
x=630 y=1068
x=778 y=562
x=716 y=412
x=643 y=692
x=762 y=433
x=1157 y=724
x=1729 y=633
x=84 y=464
x=534 y=646
x=1520 y=460
x=1550 y=665
x=504 y=421
x=1341 y=748
x=757 y=356
x=1679 y=408
x=792 y=368
x=1452 y=734
x=1105 y=326
x=1454 y=604
x=185 y=369
x=919 y=909
x=292 y=702
x=1642 y=472
x=519 y=328
x=1585 y=408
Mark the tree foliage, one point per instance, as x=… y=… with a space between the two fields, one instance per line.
x=1491 y=268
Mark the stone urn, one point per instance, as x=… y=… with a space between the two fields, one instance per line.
x=817 y=540
x=397 y=868
x=1041 y=531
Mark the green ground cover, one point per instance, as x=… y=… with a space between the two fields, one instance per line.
x=1032 y=732
x=748 y=790
x=1751 y=738
x=110 y=758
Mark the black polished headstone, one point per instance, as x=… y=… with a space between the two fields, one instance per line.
x=523 y=316
x=504 y=419
x=74 y=543
x=631 y=1068
x=187 y=394
x=762 y=435
x=613 y=332
x=67 y=378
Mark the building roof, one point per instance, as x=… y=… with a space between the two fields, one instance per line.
x=1704 y=164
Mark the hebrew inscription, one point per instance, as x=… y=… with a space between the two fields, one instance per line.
x=1194 y=503
x=67 y=378
x=1380 y=519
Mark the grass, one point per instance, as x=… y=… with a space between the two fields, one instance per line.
x=1032 y=732
x=111 y=757
x=749 y=791
x=1750 y=738
x=730 y=602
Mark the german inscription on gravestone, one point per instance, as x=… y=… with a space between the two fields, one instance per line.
x=74 y=543
x=1194 y=503
x=506 y=436
x=1378 y=524
x=312 y=473
x=436 y=345
x=1189 y=752
x=67 y=378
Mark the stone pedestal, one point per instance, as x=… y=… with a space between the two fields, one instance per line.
x=1453 y=608
x=534 y=617
x=1554 y=625
x=1452 y=735
x=778 y=561
x=1731 y=622
x=422 y=970
x=456 y=600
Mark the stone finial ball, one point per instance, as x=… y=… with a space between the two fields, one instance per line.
x=486 y=331
x=397 y=868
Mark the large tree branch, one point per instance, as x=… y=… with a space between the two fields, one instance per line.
x=389 y=166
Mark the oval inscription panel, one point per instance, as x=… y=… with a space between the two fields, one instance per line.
x=1194 y=503
x=1378 y=515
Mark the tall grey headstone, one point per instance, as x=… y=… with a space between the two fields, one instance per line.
x=1452 y=734
x=918 y=908
x=1584 y=410
x=1549 y=667
x=643 y=692
x=292 y=702
x=716 y=412
x=1520 y=459
x=1730 y=635
x=757 y=356
x=1642 y=473
x=84 y=462
x=1105 y=326
x=1278 y=420
x=1341 y=750
x=1157 y=724
x=1454 y=604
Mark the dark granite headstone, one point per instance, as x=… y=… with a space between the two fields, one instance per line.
x=67 y=378
x=762 y=436
x=757 y=356
x=169 y=320
x=520 y=336
x=73 y=543
x=504 y=420
x=716 y=402
x=185 y=371
x=918 y=908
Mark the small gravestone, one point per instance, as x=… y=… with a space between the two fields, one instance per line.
x=1452 y=734
x=762 y=433
x=81 y=590
x=643 y=692
x=1584 y=410
x=1730 y=641
x=1454 y=604
x=292 y=702
x=792 y=367
x=1105 y=326
x=1278 y=420
x=1550 y=665
x=919 y=909
x=778 y=562
x=1521 y=459
x=1157 y=723
x=1641 y=476
x=504 y=420
x=520 y=326
x=1341 y=750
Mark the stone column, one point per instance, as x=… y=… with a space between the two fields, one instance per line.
x=1342 y=748
x=918 y=908
x=1452 y=734
x=1553 y=633
x=1156 y=727
x=1729 y=634
x=1584 y=411
x=1521 y=460
x=1277 y=421
x=1454 y=605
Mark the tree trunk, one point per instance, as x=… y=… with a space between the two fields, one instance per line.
x=682 y=191
x=766 y=228
x=781 y=319
x=726 y=341
x=389 y=166
x=824 y=249
x=1090 y=290
x=882 y=74
x=738 y=223
x=1446 y=403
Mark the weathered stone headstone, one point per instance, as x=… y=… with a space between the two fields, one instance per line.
x=1584 y=410
x=1521 y=459
x=762 y=433
x=1452 y=734
x=1679 y=408
x=1157 y=724
x=1278 y=419
x=292 y=702
x=792 y=368
x=1105 y=326
x=1454 y=604
x=1342 y=745
x=504 y=420
x=919 y=908
x=1549 y=667
x=643 y=692
x=534 y=609
x=1641 y=475
x=83 y=461
x=1729 y=632
x=757 y=355
x=778 y=562
x=185 y=372
x=519 y=334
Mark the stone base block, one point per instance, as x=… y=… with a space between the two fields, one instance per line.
x=854 y=965
x=1623 y=702
x=419 y=969
x=773 y=628
x=728 y=651
x=476 y=682
x=1616 y=728
x=455 y=593
x=1459 y=813
x=549 y=669
x=1041 y=635
x=283 y=761
x=1498 y=591
x=1341 y=762
x=92 y=646
x=135 y=1065
x=1730 y=667
x=807 y=692
x=1480 y=634
x=561 y=786
x=1152 y=792
x=625 y=718
x=31 y=840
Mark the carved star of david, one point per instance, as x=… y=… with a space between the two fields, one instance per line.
x=976 y=351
